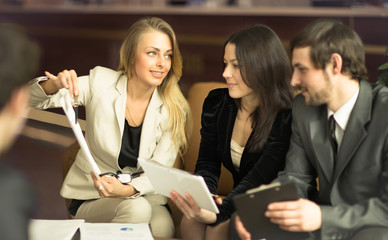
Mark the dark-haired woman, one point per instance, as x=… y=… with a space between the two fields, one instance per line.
x=246 y=127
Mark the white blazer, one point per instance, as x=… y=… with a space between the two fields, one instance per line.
x=103 y=93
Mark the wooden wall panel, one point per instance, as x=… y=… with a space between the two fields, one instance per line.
x=82 y=37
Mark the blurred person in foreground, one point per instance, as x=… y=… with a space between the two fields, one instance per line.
x=351 y=161
x=19 y=59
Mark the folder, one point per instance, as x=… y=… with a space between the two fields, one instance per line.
x=251 y=206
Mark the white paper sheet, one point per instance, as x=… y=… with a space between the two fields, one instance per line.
x=69 y=111
x=116 y=231
x=40 y=229
x=165 y=179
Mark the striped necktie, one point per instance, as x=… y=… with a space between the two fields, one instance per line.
x=333 y=139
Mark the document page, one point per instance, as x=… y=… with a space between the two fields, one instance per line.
x=40 y=229
x=116 y=231
x=69 y=111
x=165 y=179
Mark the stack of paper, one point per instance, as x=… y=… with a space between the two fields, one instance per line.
x=66 y=229
x=70 y=114
x=53 y=229
x=116 y=231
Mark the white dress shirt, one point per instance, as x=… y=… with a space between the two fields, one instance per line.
x=341 y=117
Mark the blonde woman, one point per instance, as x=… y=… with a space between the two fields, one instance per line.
x=136 y=111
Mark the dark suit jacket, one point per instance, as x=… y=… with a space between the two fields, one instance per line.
x=16 y=205
x=354 y=194
x=218 y=117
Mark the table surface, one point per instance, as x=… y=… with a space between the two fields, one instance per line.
x=77 y=236
x=158 y=238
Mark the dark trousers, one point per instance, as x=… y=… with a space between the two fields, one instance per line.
x=370 y=233
x=375 y=233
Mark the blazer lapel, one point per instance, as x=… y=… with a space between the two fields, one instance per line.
x=320 y=142
x=121 y=101
x=355 y=131
x=225 y=132
x=150 y=125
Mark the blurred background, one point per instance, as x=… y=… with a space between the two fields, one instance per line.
x=81 y=34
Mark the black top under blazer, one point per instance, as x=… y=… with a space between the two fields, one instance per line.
x=218 y=116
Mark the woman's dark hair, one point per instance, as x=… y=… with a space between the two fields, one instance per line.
x=266 y=69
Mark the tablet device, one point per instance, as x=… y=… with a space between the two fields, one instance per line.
x=250 y=206
x=165 y=179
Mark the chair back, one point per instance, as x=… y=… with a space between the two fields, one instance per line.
x=196 y=96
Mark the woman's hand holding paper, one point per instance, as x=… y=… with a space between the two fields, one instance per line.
x=65 y=79
x=190 y=208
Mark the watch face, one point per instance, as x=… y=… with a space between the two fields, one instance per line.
x=124 y=177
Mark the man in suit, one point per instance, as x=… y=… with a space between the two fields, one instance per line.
x=18 y=60
x=351 y=163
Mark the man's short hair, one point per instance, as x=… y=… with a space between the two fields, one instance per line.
x=19 y=59
x=327 y=36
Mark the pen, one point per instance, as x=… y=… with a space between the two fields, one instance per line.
x=215 y=196
x=76 y=108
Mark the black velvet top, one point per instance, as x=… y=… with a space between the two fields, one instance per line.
x=256 y=168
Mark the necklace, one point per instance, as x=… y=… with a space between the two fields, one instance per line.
x=129 y=113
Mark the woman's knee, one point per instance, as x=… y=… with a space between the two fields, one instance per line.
x=133 y=211
x=192 y=229
x=161 y=223
x=219 y=231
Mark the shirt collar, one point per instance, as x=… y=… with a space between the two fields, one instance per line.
x=342 y=115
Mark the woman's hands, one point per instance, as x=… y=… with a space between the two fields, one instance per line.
x=190 y=208
x=111 y=187
x=242 y=232
x=65 y=79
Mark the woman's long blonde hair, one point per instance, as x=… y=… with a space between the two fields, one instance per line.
x=179 y=111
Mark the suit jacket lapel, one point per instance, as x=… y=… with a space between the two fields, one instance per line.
x=355 y=131
x=150 y=120
x=150 y=125
x=228 y=117
x=121 y=101
x=320 y=142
